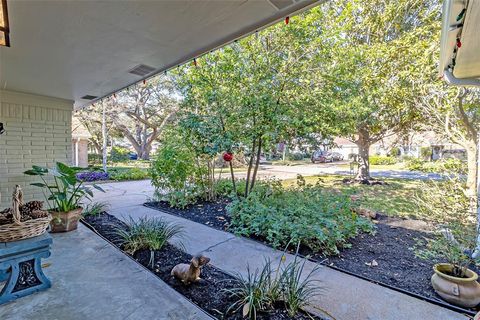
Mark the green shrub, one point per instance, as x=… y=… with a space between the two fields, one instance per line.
x=426 y=153
x=94 y=159
x=382 y=160
x=394 y=152
x=224 y=187
x=319 y=219
x=119 y=154
x=148 y=234
x=295 y=156
x=450 y=165
x=174 y=171
x=415 y=164
x=124 y=174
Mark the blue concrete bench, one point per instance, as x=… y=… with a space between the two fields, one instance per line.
x=20 y=267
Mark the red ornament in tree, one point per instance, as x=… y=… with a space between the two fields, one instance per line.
x=228 y=156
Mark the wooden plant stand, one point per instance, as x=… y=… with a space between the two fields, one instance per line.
x=20 y=267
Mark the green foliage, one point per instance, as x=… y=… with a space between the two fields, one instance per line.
x=224 y=187
x=295 y=156
x=259 y=291
x=448 y=205
x=124 y=174
x=316 y=217
x=173 y=171
x=95 y=208
x=94 y=158
x=426 y=153
x=119 y=154
x=394 y=152
x=63 y=187
x=148 y=234
x=450 y=165
x=382 y=160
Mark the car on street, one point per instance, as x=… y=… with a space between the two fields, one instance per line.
x=334 y=156
x=319 y=156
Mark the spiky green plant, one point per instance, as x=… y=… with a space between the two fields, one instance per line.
x=298 y=290
x=148 y=233
x=251 y=292
x=95 y=208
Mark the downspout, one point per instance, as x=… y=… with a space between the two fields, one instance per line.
x=453 y=81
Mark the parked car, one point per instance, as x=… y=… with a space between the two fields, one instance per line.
x=334 y=156
x=132 y=156
x=319 y=156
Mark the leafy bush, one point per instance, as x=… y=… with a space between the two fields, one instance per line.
x=124 y=174
x=173 y=170
x=94 y=158
x=295 y=156
x=394 y=152
x=148 y=234
x=451 y=165
x=447 y=203
x=426 y=153
x=261 y=291
x=382 y=160
x=90 y=176
x=224 y=187
x=319 y=219
x=119 y=154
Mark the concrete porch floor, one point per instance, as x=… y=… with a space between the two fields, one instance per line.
x=93 y=280
x=346 y=297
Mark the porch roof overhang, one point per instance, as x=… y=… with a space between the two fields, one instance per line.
x=70 y=49
x=460 y=43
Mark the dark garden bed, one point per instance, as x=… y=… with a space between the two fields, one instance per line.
x=208 y=294
x=386 y=257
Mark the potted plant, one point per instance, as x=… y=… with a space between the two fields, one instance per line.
x=63 y=192
x=453 y=280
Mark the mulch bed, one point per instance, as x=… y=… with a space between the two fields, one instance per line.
x=391 y=247
x=209 y=294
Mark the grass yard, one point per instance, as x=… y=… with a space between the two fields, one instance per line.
x=396 y=166
x=394 y=199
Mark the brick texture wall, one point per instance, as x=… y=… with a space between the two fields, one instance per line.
x=37 y=132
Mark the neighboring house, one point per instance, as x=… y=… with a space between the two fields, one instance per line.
x=408 y=145
x=80 y=139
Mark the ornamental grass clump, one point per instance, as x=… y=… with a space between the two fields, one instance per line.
x=287 y=285
x=148 y=234
x=319 y=219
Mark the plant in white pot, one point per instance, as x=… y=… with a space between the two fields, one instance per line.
x=64 y=193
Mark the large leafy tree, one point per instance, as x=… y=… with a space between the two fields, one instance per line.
x=258 y=91
x=142 y=112
x=374 y=55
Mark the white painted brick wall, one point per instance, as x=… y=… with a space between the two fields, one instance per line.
x=37 y=132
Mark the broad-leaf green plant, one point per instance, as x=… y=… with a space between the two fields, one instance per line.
x=61 y=187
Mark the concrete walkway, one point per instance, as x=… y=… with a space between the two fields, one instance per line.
x=93 y=280
x=345 y=298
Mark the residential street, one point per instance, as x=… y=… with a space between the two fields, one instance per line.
x=290 y=172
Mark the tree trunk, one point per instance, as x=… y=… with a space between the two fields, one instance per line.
x=363 y=144
x=257 y=163
x=250 y=165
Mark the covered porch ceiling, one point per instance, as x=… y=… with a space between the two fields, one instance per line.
x=72 y=49
x=460 y=42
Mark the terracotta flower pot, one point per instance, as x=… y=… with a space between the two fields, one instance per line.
x=463 y=292
x=65 y=221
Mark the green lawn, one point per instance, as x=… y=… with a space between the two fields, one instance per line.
x=394 y=199
x=396 y=166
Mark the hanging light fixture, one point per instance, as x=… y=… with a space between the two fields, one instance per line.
x=4 y=30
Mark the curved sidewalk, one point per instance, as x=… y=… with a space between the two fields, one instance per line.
x=346 y=297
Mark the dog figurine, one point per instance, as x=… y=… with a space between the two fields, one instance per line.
x=189 y=273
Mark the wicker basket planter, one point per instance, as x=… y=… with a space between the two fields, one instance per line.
x=65 y=221
x=19 y=230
